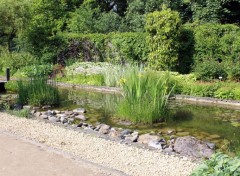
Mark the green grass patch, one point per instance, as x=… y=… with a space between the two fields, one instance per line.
x=37 y=91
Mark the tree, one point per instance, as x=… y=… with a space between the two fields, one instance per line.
x=163 y=30
x=14 y=15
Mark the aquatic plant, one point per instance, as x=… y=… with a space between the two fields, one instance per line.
x=37 y=91
x=145 y=96
x=219 y=164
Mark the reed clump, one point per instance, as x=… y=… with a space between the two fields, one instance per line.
x=146 y=96
x=37 y=91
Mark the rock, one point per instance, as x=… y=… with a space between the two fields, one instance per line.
x=171 y=132
x=57 y=112
x=27 y=107
x=146 y=138
x=37 y=114
x=35 y=108
x=80 y=125
x=46 y=107
x=169 y=150
x=81 y=117
x=64 y=119
x=68 y=113
x=70 y=120
x=125 y=133
x=79 y=110
x=17 y=106
x=43 y=116
x=33 y=112
x=84 y=124
x=114 y=133
x=53 y=119
x=131 y=137
x=193 y=147
x=211 y=145
x=98 y=127
x=155 y=144
x=104 y=129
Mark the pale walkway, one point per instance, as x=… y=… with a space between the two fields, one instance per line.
x=19 y=157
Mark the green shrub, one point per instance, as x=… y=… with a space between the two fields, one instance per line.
x=233 y=71
x=37 y=91
x=224 y=93
x=112 y=47
x=219 y=164
x=16 y=60
x=145 y=96
x=37 y=70
x=163 y=28
x=11 y=86
x=209 y=70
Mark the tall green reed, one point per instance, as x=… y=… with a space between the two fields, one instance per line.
x=38 y=91
x=145 y=96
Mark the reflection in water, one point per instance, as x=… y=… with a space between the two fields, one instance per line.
x=210 y=123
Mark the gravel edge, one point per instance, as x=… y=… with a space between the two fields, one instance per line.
x=127 y=159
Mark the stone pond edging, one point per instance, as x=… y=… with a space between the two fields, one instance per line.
x=76 y=119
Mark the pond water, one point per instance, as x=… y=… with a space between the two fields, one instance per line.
x=209 y=123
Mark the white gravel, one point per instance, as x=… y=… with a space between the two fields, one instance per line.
x=128 y=159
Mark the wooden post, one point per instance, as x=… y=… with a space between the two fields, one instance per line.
x=8 y=74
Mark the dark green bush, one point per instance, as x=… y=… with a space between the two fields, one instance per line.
x=214 y=41
x=112 y=47
x=209 y=70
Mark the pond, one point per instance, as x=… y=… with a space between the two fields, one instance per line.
x=209 y=123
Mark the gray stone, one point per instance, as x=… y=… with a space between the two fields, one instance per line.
x=68 y=113
x=27 y=107
x=132 y=137
x=155 y=144
x=125 y=132
x=114 y=133
x=81 y=117
x=171 y=132
x=79 y=110
x=53 y=119
x=43 y=116
x=80 y=125
x=84 y=124
x=70 y=120
x=193 y=147
x=146 y=138
x=104 y=129
x=46 y=107
x=211 y=145
x=36 y=108
x=64 y=119
x=33 y=112
x=169 y=150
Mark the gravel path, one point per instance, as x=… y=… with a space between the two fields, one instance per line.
x=128 y=159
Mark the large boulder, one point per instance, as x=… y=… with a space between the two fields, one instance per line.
x=104 y=129
x=146 y=138
x=193 y=147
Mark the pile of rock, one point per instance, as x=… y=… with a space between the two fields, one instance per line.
x=187 y=145
x=65 y=117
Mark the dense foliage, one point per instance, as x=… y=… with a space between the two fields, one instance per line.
x=123 y=31
x=219 y=164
